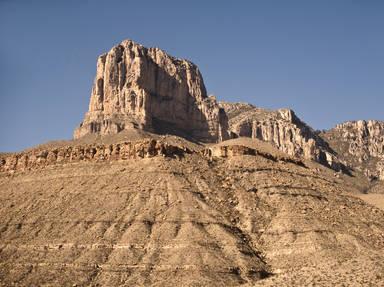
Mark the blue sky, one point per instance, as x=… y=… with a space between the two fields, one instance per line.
x=324 y=59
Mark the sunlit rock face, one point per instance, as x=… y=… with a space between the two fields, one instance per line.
x=361 y=144
x=137 y=87
x=283 y=129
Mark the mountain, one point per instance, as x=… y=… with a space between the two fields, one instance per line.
x=136 y=87
x=282 y=128
x=163 y=185
x=361 y=145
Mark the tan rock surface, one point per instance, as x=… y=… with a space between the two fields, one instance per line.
x=361 y=145
x=237 y=214
x=41 y=158
x=282 y=128
x=136 y=87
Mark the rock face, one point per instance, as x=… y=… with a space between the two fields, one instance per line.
x=136 y=87
x=229 y=151
x=366 y=138
x=282 y=128
x=380 y=169
x=145 y=88
x=36 y=159
x=361 y=145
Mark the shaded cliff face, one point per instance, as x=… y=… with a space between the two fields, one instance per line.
x=136 y=87
x=361 y=145
x=282 y=128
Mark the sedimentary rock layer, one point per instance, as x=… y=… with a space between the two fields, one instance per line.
x=189 y=220
x=93 y=152
x=282 y=128
x=136 y=87
x=361 y=145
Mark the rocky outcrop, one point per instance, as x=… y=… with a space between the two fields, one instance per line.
x=92 y=152
x=365 y=138
x=380 y=170
x=282 y=128
x=361 y=145
x=145 y=88
x=228 y=151
x=136 y=87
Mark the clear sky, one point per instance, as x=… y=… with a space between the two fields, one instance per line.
x=324 y=59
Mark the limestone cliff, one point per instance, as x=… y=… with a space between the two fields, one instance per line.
x=145 y=88
x=283 y=129
x=41 y=158
x=361 y=145
x=137 y=87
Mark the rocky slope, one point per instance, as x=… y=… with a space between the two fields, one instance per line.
x=136 y=87
x=282 y=128
x=180 y=214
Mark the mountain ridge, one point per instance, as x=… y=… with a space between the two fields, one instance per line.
x=164 y=185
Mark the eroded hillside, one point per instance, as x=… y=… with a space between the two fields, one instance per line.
x=231 y=214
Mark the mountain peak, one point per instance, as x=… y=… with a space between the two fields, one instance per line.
x=137 y=87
